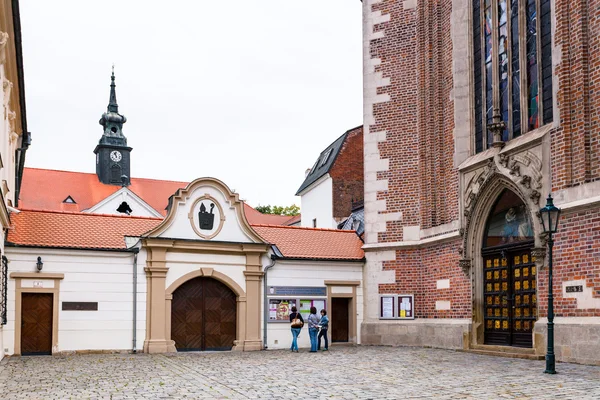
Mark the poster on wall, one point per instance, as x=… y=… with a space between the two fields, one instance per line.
x=305 y=306
x=387 y=307
x=279 y=309
x=405 y=306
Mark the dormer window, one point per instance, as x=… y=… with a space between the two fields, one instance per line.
x=325 y=158
x=124 y=208
x=69 y=200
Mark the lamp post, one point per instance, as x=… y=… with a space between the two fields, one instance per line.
x=550 y=215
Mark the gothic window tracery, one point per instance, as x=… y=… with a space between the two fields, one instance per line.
x=512 y=68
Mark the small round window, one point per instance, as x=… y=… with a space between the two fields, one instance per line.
x=508 y=222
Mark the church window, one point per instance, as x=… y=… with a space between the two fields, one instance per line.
x=509 y=222
x=124 y=208
x=512 y=71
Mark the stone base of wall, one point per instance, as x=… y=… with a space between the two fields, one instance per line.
x=576 y=339
x=440 y=333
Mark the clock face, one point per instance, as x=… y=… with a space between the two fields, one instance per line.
x=115 y=155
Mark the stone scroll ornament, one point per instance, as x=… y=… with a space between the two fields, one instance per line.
x=206 y=220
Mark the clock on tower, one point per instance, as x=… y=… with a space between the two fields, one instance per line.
x=112 y=152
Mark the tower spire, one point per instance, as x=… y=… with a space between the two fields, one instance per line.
x=112 y=102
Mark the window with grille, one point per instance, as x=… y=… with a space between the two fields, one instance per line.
x=512 y=70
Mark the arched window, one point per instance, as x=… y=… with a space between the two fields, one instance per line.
x=512 y=70
x=508 y=222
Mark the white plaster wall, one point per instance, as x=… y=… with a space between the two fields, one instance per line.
x=138 y=207
x=318 y=203
x=309 y=273
x=180 y=264
x=103 y=277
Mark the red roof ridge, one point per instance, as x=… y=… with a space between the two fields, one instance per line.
x=304 y=227
x=93 y=173
x=87 y=214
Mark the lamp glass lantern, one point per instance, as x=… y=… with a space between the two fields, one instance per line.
x=550 y=215
x=39 y=264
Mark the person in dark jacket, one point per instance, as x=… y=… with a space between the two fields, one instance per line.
x=324 y=323
x=295 y=331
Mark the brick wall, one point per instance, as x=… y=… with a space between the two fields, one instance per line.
x=576 y=257
x=418 y=271
x=348 y=175
x=576 y=144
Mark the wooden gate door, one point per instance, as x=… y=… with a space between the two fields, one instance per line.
x=36 y=323
x=510 y=298
x=203 y=316
x=339 y=320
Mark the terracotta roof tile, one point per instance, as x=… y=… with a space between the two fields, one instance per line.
x=46 y=189
x=317 y=243
x=75 y=230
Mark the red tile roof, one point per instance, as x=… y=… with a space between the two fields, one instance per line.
x=313 y=243
x=46 y=189
x=75 y=230
x=255 y=217
x=43 y=228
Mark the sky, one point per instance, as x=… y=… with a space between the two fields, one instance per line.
x=249 y=92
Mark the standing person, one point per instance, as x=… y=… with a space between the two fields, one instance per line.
x=296 y=323
x=313 y=329
x=323 y=332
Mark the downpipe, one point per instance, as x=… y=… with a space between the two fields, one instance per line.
x=265 y=300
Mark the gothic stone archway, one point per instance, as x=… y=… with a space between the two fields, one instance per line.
x=480 y=207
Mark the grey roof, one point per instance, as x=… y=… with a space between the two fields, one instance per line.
x=355 y=222
x=324 y=162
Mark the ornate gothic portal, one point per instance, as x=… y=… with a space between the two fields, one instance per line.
x=509 y=274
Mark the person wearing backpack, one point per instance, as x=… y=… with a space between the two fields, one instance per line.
x=296 y=322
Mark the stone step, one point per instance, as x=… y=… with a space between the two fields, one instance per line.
x=506 y=354
x=503 y=349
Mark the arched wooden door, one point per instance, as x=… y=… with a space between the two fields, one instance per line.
x=509 y=275
x=203 y=316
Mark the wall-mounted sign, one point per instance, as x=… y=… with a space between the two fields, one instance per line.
x=405 y=306
x=396 y=306
x=297 y=290
x=575 y=289
x=207 y=217
x=79 y=306
x=38 y=284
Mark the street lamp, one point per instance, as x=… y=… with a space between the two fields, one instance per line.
x=550 y=216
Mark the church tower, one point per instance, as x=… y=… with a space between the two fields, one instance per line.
x=112 y=152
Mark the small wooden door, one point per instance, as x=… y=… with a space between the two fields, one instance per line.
x=36 y=324
x=339 y=320
x=203 y=316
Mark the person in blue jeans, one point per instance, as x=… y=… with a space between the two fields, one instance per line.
x=313 y=329
x=324 y=323
x=295 y=331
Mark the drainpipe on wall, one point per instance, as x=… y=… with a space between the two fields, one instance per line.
x=135 y=251
x=266 y=302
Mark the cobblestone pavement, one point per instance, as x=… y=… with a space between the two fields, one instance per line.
x=341 y=373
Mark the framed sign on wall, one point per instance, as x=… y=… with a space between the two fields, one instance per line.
x=396 y=306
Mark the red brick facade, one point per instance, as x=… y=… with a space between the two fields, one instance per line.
x=431 y=180
x=348 y=175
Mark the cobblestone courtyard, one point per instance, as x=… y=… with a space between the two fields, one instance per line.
x=343 y=373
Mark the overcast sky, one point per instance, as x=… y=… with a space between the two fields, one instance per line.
x=245 y=91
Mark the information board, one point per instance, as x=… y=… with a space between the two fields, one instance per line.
x=405 y=306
